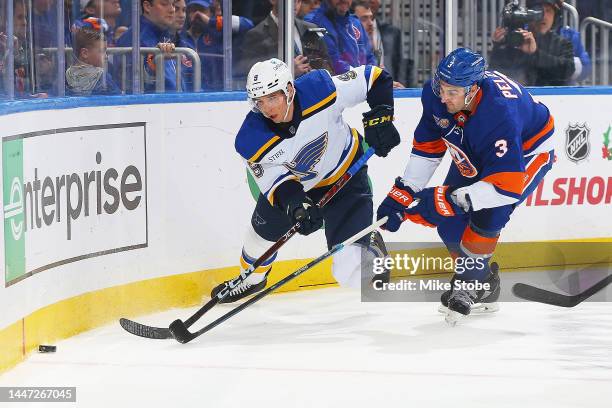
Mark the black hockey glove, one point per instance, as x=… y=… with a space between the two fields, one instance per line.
x=300 y=208
x=380 y=133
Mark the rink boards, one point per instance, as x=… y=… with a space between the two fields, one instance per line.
x=127 y=205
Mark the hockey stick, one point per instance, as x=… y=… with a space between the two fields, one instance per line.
x=535 y=294
x=151 y=332
x=179 y=329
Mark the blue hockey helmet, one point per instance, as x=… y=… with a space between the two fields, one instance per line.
x=462 y=67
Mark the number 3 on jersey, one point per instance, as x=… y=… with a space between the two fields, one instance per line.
x=502 y=147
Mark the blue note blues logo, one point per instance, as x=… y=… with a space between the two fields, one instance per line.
x=307 y=158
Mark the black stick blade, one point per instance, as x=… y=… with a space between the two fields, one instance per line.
x=535 y=294
x=143 y=330
x=179 y=331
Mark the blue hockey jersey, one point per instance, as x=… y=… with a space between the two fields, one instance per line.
x=489 y=145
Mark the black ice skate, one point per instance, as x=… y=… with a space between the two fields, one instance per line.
x=471 y=301
x=377 y=245
x=241 y=291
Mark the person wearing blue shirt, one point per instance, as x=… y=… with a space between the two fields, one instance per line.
x=156 y=20
x=582 y=60
x=501 y=143
x=347 y=42
x=205 y=36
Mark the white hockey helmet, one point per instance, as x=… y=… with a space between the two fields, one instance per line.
x=267 y=77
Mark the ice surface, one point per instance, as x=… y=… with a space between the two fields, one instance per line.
x=325 y=348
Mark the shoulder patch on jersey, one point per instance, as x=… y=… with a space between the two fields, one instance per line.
x=347 y=76
x=255 y=138
x=316 y=91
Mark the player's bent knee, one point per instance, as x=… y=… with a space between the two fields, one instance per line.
x=254 y=244
x=346 y=266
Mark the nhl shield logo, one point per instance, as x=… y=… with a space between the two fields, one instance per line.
x=577 y=146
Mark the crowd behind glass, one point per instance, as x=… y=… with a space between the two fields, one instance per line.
x=180 y=43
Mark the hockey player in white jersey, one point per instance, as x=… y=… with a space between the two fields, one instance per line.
x=296 y=145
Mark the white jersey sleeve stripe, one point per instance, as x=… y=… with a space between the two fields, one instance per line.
x=485 y=195
x=419 y=171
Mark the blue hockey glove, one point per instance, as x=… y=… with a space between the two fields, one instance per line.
x=395 y=205
x=379 y=131
x=300 y=208
x=435 y=206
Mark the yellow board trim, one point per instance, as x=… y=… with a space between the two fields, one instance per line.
x=75 y=315
x=318 y=105
x=263 y=149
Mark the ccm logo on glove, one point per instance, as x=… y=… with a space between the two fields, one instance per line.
x=376 y=121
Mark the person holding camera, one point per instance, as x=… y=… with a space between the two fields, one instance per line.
x=262 y=43
x=527 y=49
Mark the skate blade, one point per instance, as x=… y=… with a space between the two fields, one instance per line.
x=477 y=308
x=452 y=318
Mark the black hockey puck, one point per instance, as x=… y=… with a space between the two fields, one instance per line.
x=46 y=349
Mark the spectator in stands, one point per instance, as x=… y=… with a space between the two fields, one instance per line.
x=308 y=6
x=261 y=43
x=125 y=19
x=254 y=10
x=205 y=35
x=92 y=23
x=44 y=35
x=347 y=41
x=87 y=75
x=364 y=12
x=21 y=66
x=110 y=11
x=582 y=61
x=155 y=22
x=180 y=16
x=543 y=58
x=394 y=61
x=181 y=39
x=44 y=23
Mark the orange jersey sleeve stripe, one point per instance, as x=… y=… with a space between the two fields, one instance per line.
x=478 y=244
x=534 y=167
x=513 y=182
x=545 y=130
x=437 y=146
